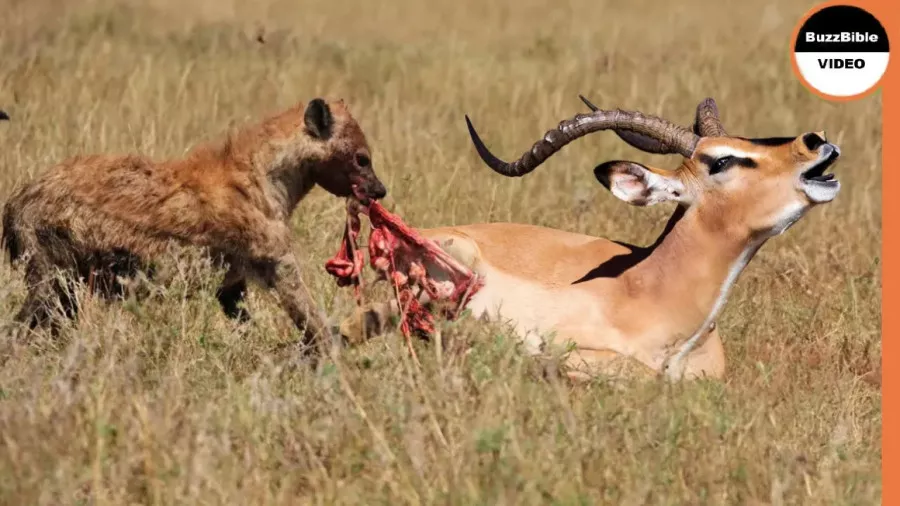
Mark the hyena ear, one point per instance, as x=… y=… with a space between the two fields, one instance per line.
x=640 y=185
x=318 y=119
x=4 y=116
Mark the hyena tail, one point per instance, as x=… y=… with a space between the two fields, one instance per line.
x=10 y=239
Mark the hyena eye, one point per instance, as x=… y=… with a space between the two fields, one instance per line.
x=362 y=160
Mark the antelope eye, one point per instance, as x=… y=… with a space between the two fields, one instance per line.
x=720 y=164
x=362 y=160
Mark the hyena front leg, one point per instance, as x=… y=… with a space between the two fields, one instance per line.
x=283 y=276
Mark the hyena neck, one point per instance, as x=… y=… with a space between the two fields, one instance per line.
x=290 y=178
x=281 y=165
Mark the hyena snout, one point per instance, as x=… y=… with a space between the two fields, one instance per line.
x=374 y=189
x=368 y=187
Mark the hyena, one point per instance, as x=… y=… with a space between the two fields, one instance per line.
x=98 y=217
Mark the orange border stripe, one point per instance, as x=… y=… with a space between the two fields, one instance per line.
x=887 y=12
x=889 y=15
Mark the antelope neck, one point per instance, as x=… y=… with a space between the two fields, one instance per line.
x=696 y=260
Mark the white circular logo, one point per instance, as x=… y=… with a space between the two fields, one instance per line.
x=841 y=51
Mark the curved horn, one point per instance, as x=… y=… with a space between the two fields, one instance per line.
x=707 y=122
x=636 y=140
x=681 y=140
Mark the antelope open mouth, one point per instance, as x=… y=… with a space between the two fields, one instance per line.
x=817 y=175
x=818 y=186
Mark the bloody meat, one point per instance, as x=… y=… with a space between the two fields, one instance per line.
x=399 y=254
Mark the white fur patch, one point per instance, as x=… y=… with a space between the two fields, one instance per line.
x=720 y=151
x=789 y=215
x=821 y=194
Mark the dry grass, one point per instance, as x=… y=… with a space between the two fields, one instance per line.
x=168 y=403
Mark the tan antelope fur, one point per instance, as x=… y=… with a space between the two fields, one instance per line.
x=656 y=305
x=96 y=217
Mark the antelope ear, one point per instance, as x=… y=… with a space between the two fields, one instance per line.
x=318 y=119
x=640 y=185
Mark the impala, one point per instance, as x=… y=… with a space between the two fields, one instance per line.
x=658 y=304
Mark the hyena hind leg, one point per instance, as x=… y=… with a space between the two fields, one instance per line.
x=231 y=295
x=35 y=310
x=50 y=300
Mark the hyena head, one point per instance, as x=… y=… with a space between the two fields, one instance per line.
x=346 y=168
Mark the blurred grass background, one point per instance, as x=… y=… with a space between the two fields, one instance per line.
x=167 y=402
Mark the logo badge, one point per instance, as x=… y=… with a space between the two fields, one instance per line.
x=840 y=51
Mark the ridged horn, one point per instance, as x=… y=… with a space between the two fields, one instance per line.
x=707 y=122
x=679 y=139
x=636 y=140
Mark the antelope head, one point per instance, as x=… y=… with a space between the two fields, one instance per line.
x=755 y=186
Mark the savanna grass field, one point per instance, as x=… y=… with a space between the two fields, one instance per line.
x=166 y=401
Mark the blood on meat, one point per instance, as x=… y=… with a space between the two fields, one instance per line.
x=399 y=254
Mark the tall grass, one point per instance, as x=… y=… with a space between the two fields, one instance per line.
x=167 y=402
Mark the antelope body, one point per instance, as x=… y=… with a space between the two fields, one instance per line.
x=657 y=304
